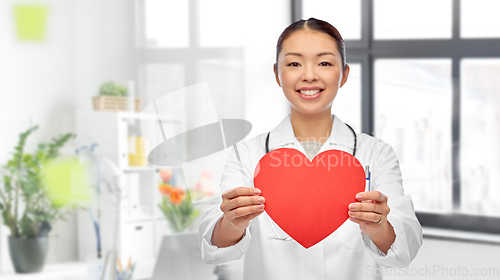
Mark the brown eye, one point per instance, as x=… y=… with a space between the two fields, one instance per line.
x=293 y=64
x=326 y=63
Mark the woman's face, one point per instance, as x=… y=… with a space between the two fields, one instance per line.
x=310 y=71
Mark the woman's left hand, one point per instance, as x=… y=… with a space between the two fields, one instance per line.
x=371 y=212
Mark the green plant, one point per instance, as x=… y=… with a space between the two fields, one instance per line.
x=24 y=180
x=112 y=89
x=176 y=204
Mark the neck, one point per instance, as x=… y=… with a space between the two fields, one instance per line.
x=315 y=127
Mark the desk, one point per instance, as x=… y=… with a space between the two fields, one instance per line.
x=60 y=271
x=74 y=271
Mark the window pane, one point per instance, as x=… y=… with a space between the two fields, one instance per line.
x=225 y=79
x=424 y=19
x=156 y=80
x=479 y=18
x=344 y=15
x=413 y=99
x=480 y=135
x=347 y=103
x=166 y=24
x=220 y=23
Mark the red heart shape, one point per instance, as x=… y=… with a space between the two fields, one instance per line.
x=308 y=199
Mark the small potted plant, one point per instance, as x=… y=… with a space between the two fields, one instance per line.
x=180 y=212
x=176 y=205
x=25 y=202
x=114 y=97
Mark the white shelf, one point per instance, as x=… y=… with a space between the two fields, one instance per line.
x=131 y=169
x=60 y=271
x=75 y=271
x=140 y=168
x=130 y=115
x=138 y=218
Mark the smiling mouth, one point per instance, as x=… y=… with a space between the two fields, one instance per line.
x=310 y=92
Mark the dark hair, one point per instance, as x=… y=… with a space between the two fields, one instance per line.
x=313 y=24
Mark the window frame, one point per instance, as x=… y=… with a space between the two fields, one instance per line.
x=189 y=56
x=367 y=50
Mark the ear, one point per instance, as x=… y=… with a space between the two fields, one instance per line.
x=276 y=75
x=345 y=75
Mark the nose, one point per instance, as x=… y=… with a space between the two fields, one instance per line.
x=309 y=74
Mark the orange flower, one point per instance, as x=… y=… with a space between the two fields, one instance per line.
x=176 y=195
x=165 y=189
x=166 y=174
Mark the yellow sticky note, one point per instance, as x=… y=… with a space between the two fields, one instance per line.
x=30 y=22
x=67 y=182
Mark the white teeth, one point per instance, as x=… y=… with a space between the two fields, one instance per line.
x=309 y=92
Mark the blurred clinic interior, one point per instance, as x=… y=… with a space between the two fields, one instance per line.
x=79 y=81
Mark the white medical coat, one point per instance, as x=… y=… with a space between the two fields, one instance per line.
x=347 y=253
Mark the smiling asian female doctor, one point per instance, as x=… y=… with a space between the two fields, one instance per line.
x=382 y=229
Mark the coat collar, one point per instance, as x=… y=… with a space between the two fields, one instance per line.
x=341 y=137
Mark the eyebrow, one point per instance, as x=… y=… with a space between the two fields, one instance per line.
x=320 y=54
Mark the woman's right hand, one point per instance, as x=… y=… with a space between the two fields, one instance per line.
x=241 y=205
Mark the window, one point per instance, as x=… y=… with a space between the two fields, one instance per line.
x=179 y=44
x=344 y=15
x=212 y=19
x=480 y=135
x=347 y=103
x=479 y=19
x=413 y=100
x=423 y=19
x=156 y=79
x=428 y=88
x=224 y=78
x=159 y=16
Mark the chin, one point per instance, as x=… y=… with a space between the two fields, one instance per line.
x=311 y=111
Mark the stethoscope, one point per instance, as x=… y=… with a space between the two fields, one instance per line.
x=288 y=238
x=353 y=133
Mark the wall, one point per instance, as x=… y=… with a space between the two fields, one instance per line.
x=447 y=259
x=37 y=87
x=102 y=29
x=44 y=83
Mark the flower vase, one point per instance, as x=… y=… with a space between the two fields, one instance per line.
x=28 y=254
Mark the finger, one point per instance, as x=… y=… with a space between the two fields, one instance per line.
x=366 y=216
x=244 y=211
x=240 y=191
x=243 y=201
x=373 y=195
x=360 y=222
x=247 y=218
x=357 y=221
x=369 y=208
x=365 y=207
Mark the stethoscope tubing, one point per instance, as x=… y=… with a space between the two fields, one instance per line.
x=353 y=132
